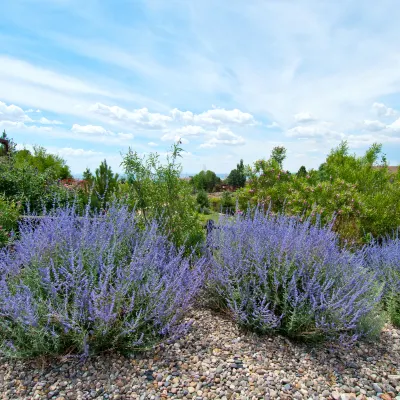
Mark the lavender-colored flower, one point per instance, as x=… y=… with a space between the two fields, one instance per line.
x=92 y=282
x=275 y=273
x=384 y=259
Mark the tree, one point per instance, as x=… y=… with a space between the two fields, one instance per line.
x=202 y=199
x=278 y=154
x=6 y=142
x=302 y=172
x=237 y=177
x=205 y=180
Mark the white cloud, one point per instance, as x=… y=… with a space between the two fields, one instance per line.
x=98 y=132
x=383 y=111
x=191 y=130
x=13 y=113
x=222 y=136
x=395 y=126
x=170 y=136
x=45 y=121
x=213 y=117
x=71 y=152
x=318 y=131
x=22 y=126
x=273 y=125
x=146 y=119
x=374 y=125
x=304 y=117
x=33 y=111
x=152 y=144
x=140 y=117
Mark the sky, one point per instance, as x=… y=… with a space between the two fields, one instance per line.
x=231 y=78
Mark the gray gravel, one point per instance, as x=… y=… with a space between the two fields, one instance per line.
x=216 y=361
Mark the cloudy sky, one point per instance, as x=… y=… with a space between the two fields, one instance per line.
x=231 y=78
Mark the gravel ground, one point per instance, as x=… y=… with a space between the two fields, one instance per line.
x=216 y=361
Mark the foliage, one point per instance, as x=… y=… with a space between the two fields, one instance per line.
x=9 y=214
x=162 y=195
x=274 y=273
x=88 y=284
x=227 y=203
x=215 y=203
x=237 y=177
x=384 y=259
x=202 y=199
x=205 y=180
x=302 y=172
x=278 y=154
x=11 y=144
x=34 y=190
x=43 y=162
x=361 y=195
x=102 y=185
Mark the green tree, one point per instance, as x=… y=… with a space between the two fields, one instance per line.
x=279 y=154
x=205 y=180
x=202 y=199
x=102 y=185
x=11 y=144
x=302 y=172
x=237 y=177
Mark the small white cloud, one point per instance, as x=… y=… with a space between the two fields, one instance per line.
x=22 y=126
x=304 y=117
x=33 y=111
x=171 y=136
x=223 y=136
x=214 y=117
x=383 y=111
x=191 y=130
x=273 y=125
x=152 y=144
x=13 y=113
x=45 y=121
x=374 y=125
x=101 y=133
x=140 y=117
x=394 y=126
x=70 y=152
x=305 y=132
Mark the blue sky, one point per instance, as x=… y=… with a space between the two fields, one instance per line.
x=87 y=79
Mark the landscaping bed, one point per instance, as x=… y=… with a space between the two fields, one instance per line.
x=216 y=360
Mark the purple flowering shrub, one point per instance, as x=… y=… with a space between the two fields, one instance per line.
x=384 y=259
x=86 y=284
x=275 y=273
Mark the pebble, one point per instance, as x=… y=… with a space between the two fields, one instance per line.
x=216 y=360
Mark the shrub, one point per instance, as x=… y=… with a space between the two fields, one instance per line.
x=274 y=273
x=161 y=194
x=227 y=203
x=215 y=203
x=384 y=259
x=93 y=283
x=9 y=214
x=202 y=199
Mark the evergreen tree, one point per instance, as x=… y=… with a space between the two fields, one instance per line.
x=237 y=177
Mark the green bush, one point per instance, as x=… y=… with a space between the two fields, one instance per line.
x=9 y=214
x=360 y=192
x=202 y=199
x=161 y=194
x=215 y=203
